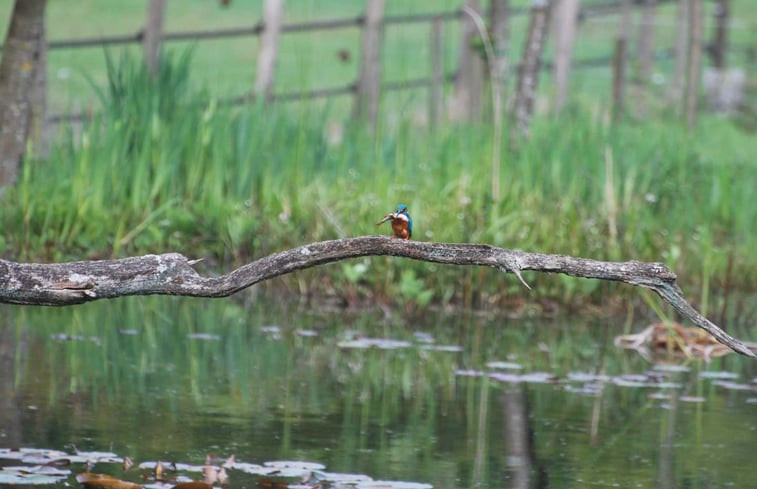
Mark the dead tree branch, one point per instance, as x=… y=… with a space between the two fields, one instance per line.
x=61 y=284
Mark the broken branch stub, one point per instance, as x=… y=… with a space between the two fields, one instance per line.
x=61 y=284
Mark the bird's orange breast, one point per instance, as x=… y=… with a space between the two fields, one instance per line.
x=400 y=229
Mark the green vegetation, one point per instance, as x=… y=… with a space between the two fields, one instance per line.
x=160 y=170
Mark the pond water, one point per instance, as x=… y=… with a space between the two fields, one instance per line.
x=451 y=401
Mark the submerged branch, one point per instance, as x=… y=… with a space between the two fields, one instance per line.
x=61 y=284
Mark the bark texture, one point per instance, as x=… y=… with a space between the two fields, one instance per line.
x=61 y=284
x=528 y=71
x=20 y=98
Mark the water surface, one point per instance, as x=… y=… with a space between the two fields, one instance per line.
x=451 y=401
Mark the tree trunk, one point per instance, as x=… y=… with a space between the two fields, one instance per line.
x=22 y=100
x=720 y=40
x=528 y=71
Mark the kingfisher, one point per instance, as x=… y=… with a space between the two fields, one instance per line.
x=402 y=223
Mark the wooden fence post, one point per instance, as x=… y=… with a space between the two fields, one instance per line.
x=646 y=42
x=620 y=60
x=720 y=38
x=437 y=73
x=695 y=61
x=368 y=88
x=469 y=82
x=618 y=77
x=528 y=71
x=273 y=13
x=152 y=34
x=499 y=33
x=681 y=50
x=565 y=18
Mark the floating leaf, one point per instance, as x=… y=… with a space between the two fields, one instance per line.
x=505 y=377
x=253 y=469
x=32 y=456
x=469 y=373
x=381 y=343
x=36 y=475
x=104 y=481
x=444 y=348
x=734 y=386
x=504 y=365
x=309 y=333
x=275 y=330
x=533 y=377
x=718 y=375
x=342 y=478
x=586 y=377
x=294 y=464
x=204 y=336
x=99 y=457
x=672 y=368
x=692 y=399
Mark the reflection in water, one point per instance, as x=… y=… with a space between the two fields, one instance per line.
x=173 y=379
x=10 y=417
x=665 y=466
x=517 y=436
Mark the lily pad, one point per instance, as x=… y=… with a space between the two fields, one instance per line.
x=100 y=457
x=380 y=343
x=672 y=368
x=443 y=348
x=692 y=399
x=342 y=478
x=587 y=377
x=734 y=386
x=204 y=336
x=499 y=365
x=469 y=373
x=253 y=469
x=307 y=333
x=531 y=377
x=295 y=464
x=712 y=374
x=32 y=456
x=33 y=475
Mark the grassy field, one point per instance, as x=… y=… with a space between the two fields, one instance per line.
x=310 y=60
x=159 y=170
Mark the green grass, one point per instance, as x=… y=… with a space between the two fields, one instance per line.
x=162 y=171
x=309 y=60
